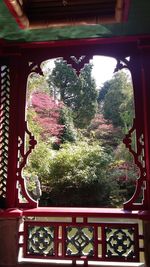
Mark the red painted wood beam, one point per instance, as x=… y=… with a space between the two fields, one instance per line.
x=143 y=40
x=95 y=212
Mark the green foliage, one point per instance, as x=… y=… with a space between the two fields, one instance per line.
x=33 y=125
x=69 y=132
x=63 y=82
x=86 y=102
x=79 y=176
x=121 y=153
x=127 y=111
x=83 y=173
x=118 y=100
x=78 y=93
x=39 y=161
x=126 y=174
x=103 y=91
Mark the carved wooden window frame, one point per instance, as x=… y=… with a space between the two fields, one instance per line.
x=130 y=53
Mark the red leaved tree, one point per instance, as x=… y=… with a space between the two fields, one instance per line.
x=48 y=114
x=104 y=131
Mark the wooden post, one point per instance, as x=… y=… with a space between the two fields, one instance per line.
x=8 y=241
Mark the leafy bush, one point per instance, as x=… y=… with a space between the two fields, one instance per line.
x=126 y=174
x=79 y=176
x=39 y=161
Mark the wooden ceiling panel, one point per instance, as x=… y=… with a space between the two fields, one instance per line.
x=54 y=13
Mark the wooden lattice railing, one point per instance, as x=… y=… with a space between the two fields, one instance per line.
x=81 y=236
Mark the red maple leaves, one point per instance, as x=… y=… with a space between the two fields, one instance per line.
x=47 y=114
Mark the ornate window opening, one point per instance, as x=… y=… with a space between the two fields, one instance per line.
x=129 y=139
x=84 y=239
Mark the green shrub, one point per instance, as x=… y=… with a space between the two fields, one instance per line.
x=79 y=176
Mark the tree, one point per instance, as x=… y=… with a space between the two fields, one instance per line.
x=69 y=133
x=118 y=100
x=47 y=114
x=86 y=102
x=103 y=91
x=63 y=82
x=78 y=93
x=127 y=111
